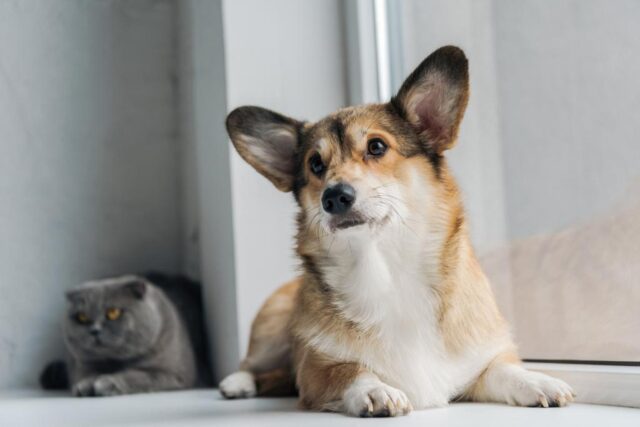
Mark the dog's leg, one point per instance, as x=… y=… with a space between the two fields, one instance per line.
x=506 y=381
x=267 y=368
x=328 y=385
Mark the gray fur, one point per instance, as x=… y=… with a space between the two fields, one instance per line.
x=146 y=349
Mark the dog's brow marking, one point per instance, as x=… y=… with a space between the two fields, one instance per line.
x=337 y=127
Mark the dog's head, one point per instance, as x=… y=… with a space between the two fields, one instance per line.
x=367 y=166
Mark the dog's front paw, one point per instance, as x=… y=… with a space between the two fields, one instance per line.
x=539 y=390
x=238 y=385
x=369 y=397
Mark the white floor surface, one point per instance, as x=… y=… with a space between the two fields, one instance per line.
x=207 y=408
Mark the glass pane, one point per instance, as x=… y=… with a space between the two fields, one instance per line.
x=549 y=162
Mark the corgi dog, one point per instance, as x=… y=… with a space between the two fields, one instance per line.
x=392 y=311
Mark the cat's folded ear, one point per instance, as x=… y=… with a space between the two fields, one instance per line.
x=137 y=287
x=434 y=97
x=268 y=141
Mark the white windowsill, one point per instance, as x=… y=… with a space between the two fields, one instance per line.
x=206 y=408
x=598 y=384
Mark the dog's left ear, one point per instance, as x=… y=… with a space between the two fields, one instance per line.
x=433 y=98
x=268 y=141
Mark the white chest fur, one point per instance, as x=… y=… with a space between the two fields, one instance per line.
x=383 y=285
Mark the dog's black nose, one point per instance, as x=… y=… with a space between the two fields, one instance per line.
x=338 y=199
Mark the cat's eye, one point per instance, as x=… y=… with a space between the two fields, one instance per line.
x=376 y=147
x=113 y=313
x=82 y=317
x=316 y=165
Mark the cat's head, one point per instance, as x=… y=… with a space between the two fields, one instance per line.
x=116 y=318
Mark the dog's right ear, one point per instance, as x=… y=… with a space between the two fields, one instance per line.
x=268 y=141
x=434 y=97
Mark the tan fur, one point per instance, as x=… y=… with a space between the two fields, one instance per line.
x=269 y=353
x=271 y=324
x=322 y=381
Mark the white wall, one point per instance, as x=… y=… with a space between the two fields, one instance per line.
x=208 y=242
x=88 y=164
x=288 y=56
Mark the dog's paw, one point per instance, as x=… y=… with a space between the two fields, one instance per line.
x=369 y=397
x=240 y=384
x=539 y=390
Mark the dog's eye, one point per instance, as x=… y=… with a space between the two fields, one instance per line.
x=316 y=165
x=376 y=147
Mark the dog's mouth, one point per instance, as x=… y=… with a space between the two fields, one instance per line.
x=349 y=220
x=354 y=218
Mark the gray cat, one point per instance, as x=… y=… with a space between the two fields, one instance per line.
x=124 y=335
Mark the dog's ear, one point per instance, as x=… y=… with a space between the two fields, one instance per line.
x=433 y=98
x=268 y=141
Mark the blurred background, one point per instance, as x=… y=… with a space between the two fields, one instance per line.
x=114 y=157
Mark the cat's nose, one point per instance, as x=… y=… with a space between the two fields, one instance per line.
x=94 y=330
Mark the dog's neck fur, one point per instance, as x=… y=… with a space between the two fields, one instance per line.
x=381 y=275
x=373 y=275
